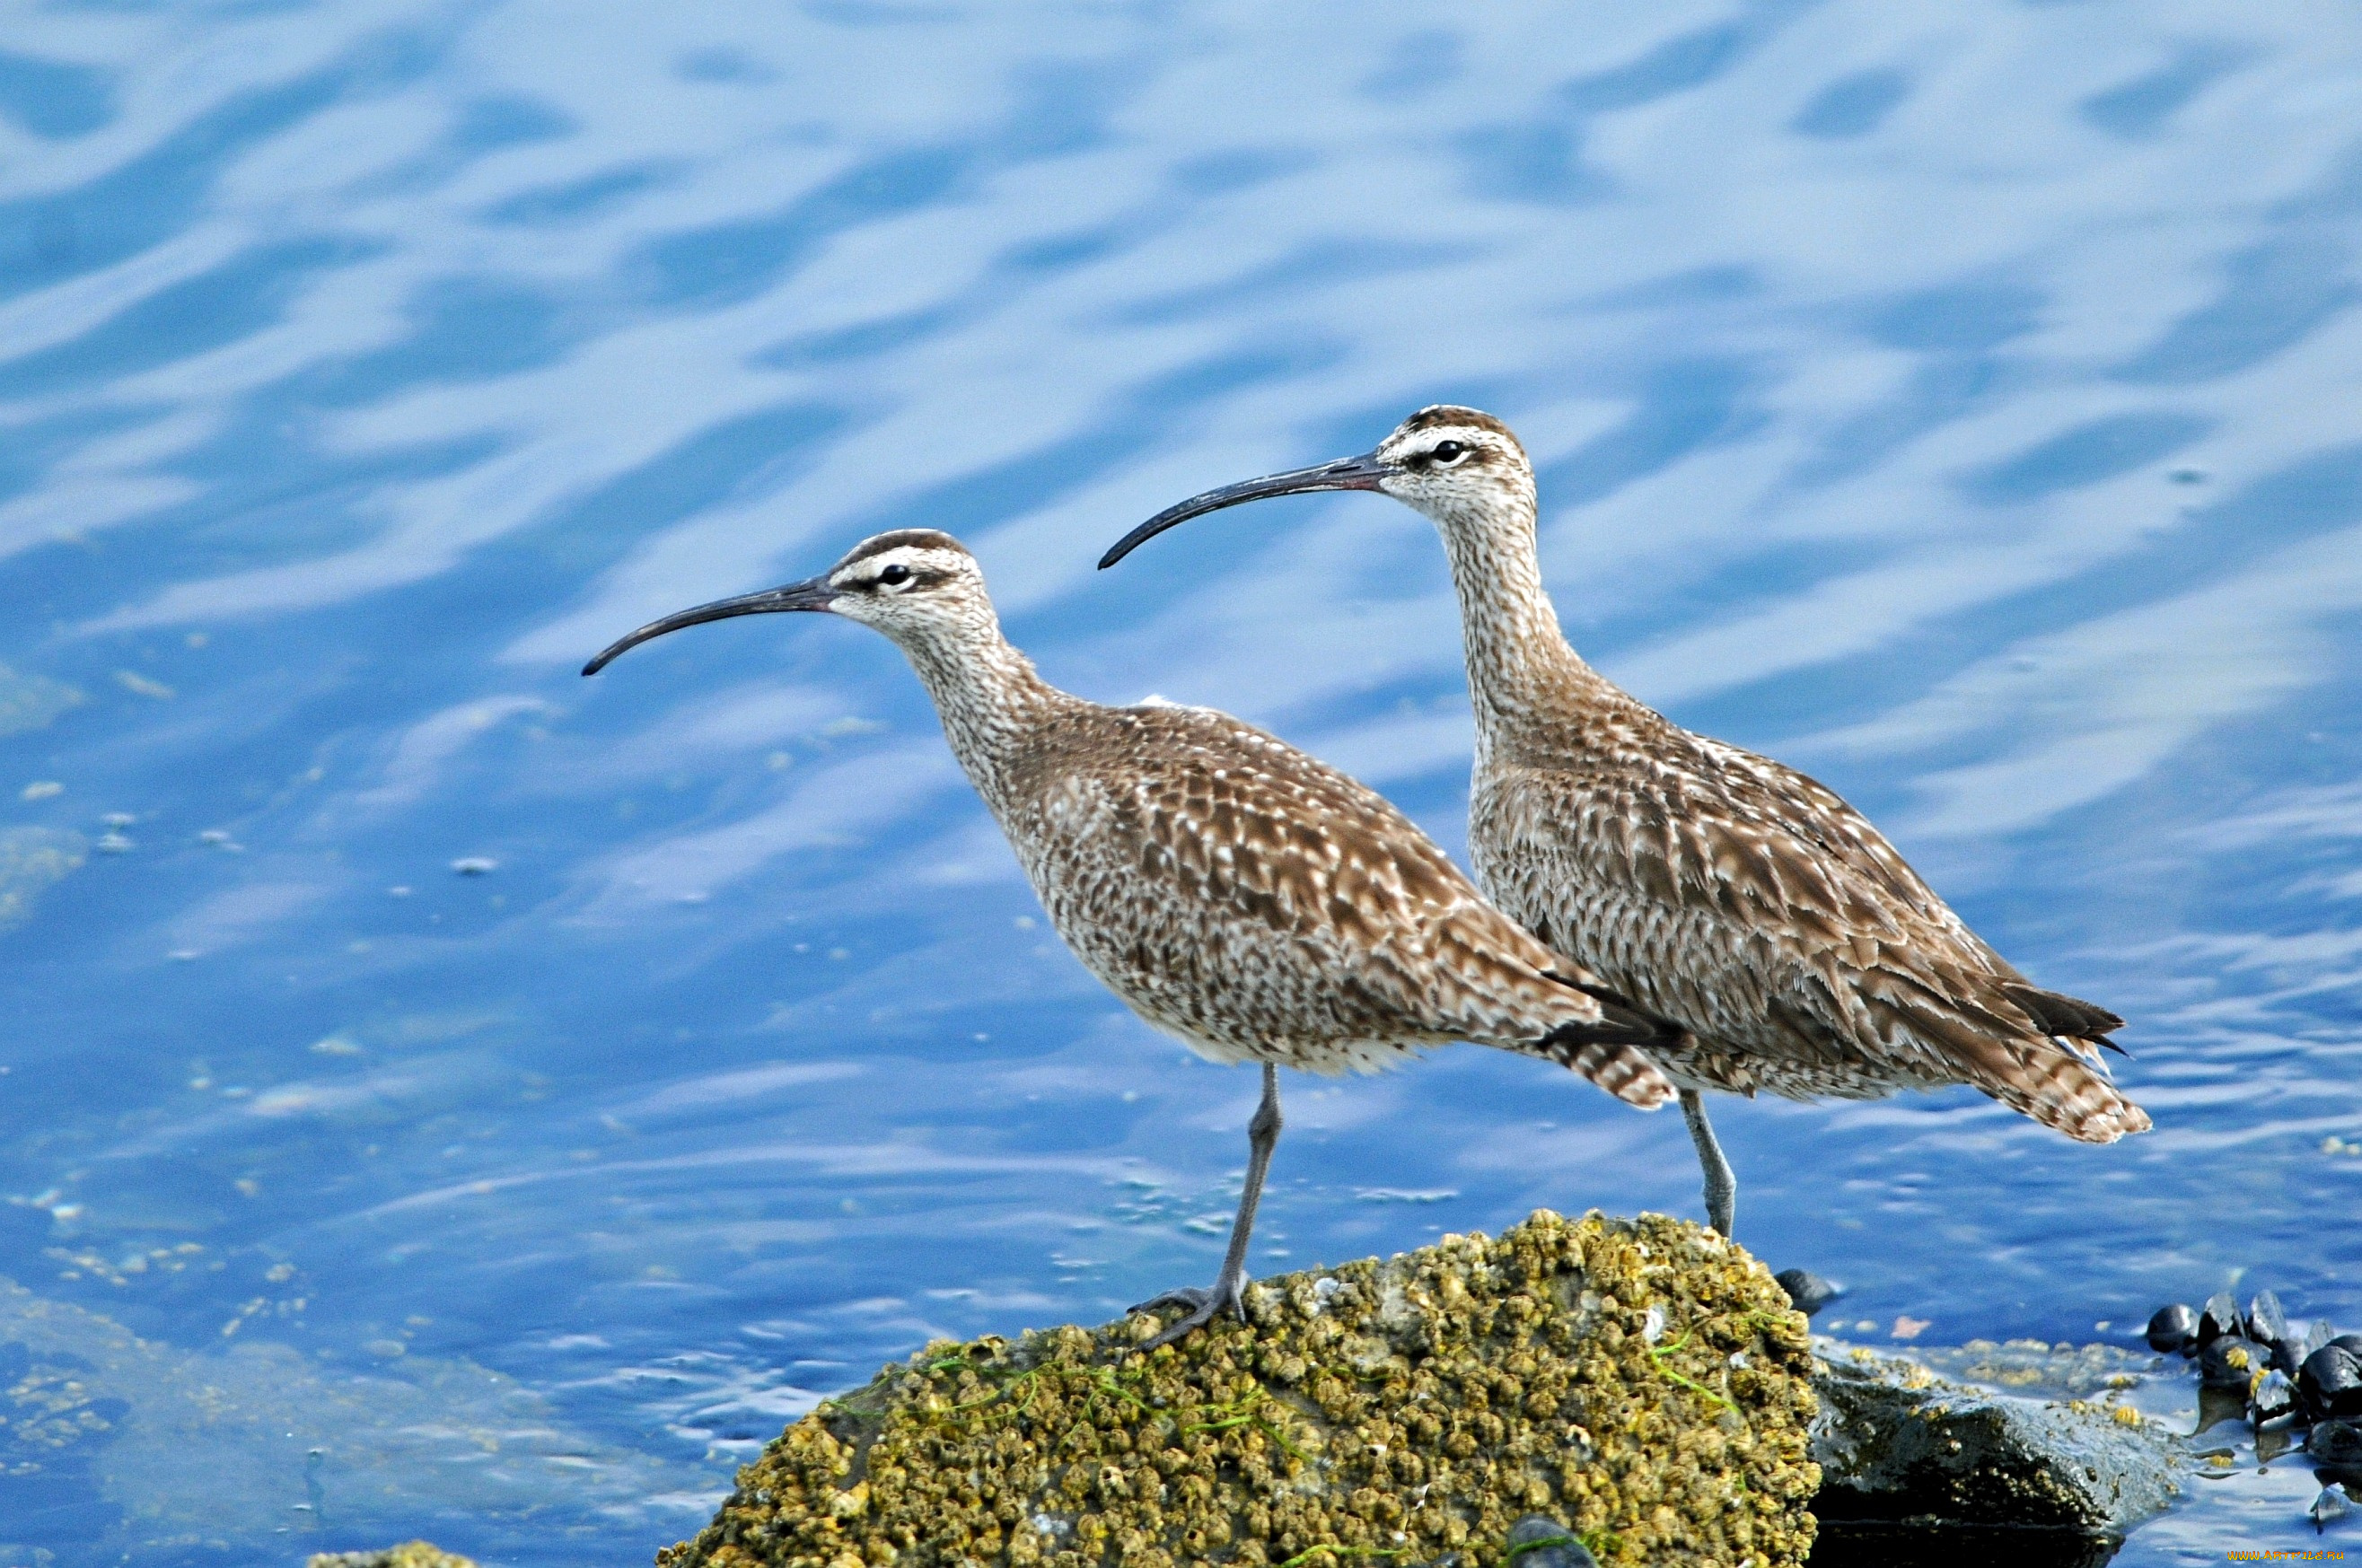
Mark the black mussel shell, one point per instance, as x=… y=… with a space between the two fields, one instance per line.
x=2232 y=1362
x=2220 y=1317
x=2273 y=1397
x=1807 y=1292
x=1536 y=1542
x=2174 y=1328
x=2267 y=1324
x=2290 y=1353
x=2336 y=1445
x=2330 y=1382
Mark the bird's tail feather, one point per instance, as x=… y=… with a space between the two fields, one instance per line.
x=1621 y=1068
x=2061 y=1091
x=1608 y=1051
x=2055 y=1012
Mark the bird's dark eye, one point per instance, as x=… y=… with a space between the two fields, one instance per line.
x=1444 y=454
x=895 y=576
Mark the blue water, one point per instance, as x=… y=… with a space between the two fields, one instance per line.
x=1956 y=400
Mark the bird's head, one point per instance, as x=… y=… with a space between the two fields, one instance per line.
x=916 y=585
x=1462 y=467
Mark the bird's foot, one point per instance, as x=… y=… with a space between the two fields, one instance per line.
x=1203 y=1308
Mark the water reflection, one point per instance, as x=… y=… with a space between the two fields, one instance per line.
x=1953 y=405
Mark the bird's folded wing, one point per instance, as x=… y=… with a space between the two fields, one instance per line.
x=1241 y=823
x=1740 y=863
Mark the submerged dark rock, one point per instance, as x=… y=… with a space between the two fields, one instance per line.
x=1861 y=1543
x=1807 y=1291
x=1917 y=1469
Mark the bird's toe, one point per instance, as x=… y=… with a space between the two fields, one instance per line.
x=1183 y=1326
x=1203 y=1307
x=1188 y=1296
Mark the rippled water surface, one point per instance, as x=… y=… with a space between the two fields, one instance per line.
x=446 y=1096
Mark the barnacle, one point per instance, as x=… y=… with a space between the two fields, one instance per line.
x=1398 y=1412
x=409 y=1554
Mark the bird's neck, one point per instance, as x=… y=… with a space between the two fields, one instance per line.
x=1520 y=668
x=990 y=699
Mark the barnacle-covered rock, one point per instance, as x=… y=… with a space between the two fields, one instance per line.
x=1645 y=1382
x=409 y=1554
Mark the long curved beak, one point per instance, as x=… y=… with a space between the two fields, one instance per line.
x=1364 y=473
x=813 y=594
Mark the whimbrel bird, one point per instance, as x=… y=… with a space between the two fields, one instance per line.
x=1718 y=889
x=1237 y=894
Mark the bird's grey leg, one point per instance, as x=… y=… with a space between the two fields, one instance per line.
x=1721 y=1181
x=1230 y=1285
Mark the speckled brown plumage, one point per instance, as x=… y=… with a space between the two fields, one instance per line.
x=1720 y=890
x=1260 y=906
x=1752 y=905
x=1237 y=894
